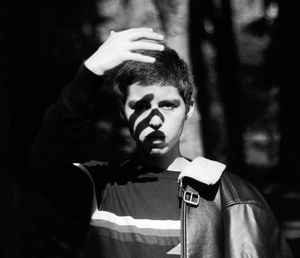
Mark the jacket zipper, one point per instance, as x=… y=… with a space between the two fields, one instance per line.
x=183 y=220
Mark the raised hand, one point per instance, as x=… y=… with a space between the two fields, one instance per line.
x=119 y=47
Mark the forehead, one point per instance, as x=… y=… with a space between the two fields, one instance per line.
x=136 y=91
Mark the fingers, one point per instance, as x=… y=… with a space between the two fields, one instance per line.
x=145 y=35
x=141 y=58
x=145 y=45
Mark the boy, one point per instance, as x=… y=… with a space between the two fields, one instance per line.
x=157 y=204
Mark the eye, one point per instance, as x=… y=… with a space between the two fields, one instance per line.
x=168 y=105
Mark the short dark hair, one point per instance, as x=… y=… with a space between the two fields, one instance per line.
x=168 y=70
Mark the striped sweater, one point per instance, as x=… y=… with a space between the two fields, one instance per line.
x=137 y=214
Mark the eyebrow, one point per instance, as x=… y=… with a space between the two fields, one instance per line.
x=175 y=101
x=133 y=103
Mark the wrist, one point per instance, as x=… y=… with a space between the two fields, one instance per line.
x=85 y=82
x=89 y=64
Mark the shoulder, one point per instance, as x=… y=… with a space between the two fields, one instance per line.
x=95 y=164
x=246 y=213
x=91 y=166
x=107 y=171
x=235 y=190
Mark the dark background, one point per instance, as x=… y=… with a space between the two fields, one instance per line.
x=240 y=53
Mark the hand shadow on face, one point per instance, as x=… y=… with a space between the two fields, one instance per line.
x=144 y=123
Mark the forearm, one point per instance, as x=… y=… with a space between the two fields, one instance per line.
x=66 y=122
x=70 y=118
x=76 y=97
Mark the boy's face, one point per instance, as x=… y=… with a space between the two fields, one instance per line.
x=155 y=116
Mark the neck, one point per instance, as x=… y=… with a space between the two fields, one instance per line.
x=172 y=160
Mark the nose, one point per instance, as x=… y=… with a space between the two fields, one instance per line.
x=155 y=122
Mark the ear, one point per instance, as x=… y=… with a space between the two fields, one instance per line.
x=190 y=107
x=122 y=114
x=121 y=108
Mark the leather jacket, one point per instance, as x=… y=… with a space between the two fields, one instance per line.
x=225 y=218
x=246 y=226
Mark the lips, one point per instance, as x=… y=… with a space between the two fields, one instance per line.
x=156 y=135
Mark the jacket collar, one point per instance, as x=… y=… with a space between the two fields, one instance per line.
x=203 y=170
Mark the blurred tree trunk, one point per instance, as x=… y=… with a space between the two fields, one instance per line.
x=215 y=66
x=202 y=55
x=282 y=51
x=227 y=65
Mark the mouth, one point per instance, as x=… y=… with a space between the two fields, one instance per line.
x=156 y=136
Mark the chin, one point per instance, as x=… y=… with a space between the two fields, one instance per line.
x=159 y=152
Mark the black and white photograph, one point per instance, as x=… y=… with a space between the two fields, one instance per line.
x=149 y=129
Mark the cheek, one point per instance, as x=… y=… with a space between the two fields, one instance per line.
x=134 y=121
x=179 y=116
x=126 y=114
x=175 y=121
